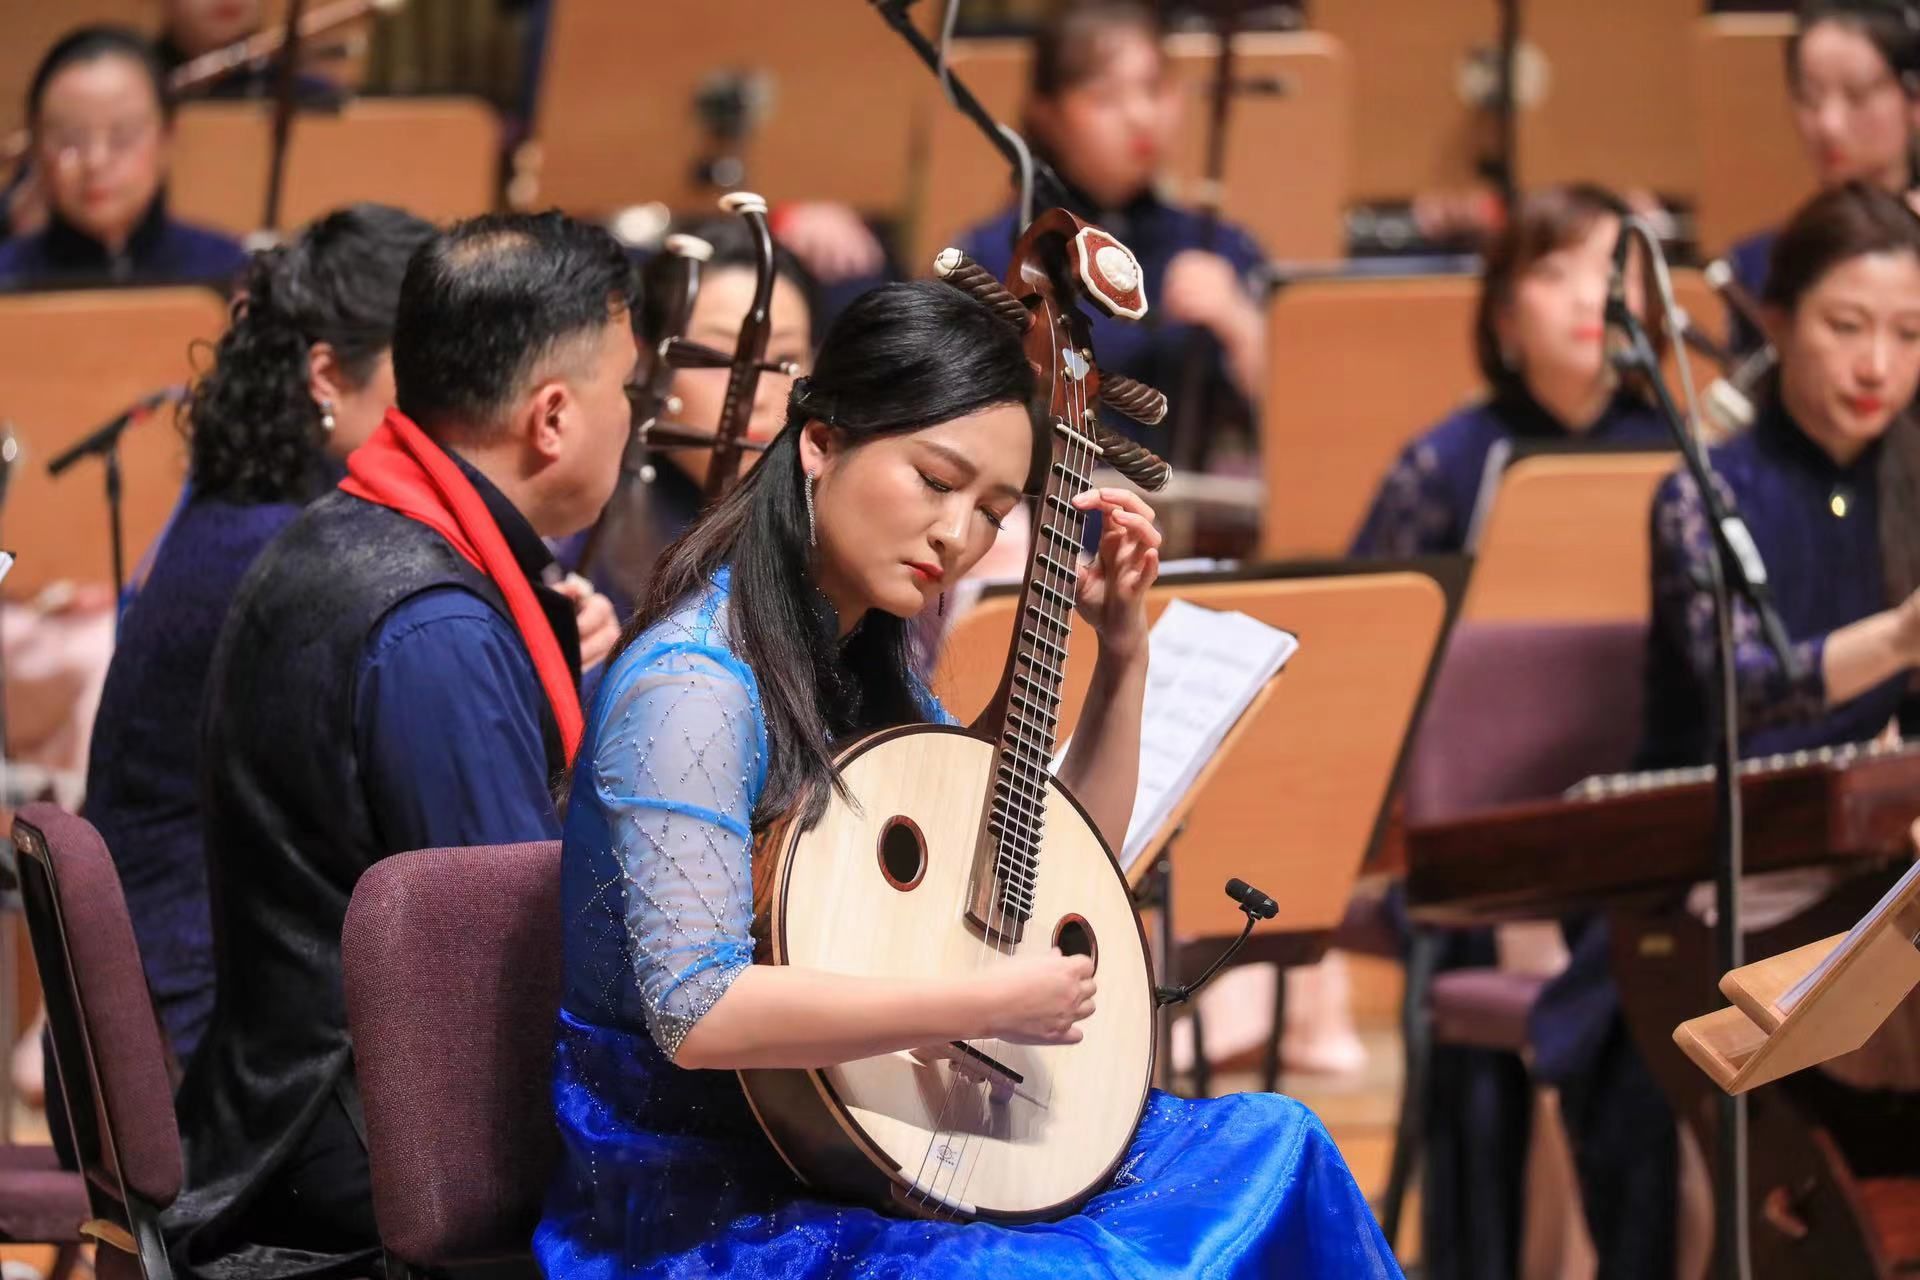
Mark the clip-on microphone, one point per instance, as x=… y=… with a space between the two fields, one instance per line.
x=1257 y=906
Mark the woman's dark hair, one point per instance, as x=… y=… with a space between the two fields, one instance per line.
x=89 y=44
x=1836 y=226
x=256 y=432
x=1545 y=221
x=732 y=250
x=1071 y=48
x=899 y=358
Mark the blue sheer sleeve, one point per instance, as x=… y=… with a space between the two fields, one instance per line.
x=679 y=761
x=1683 y=606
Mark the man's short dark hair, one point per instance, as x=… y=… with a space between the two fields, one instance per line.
x=488 y=303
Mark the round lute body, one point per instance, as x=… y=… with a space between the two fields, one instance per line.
x=952 y=850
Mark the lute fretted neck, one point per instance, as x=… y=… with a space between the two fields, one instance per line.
x=1007 y=865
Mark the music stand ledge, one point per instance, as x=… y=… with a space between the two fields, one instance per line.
x=1754 y=1042
x=1151 y=877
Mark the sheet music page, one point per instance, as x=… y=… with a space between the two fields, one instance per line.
x=1203 y=667
x=1867 y=921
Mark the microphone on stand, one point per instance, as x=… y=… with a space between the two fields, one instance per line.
x=1257 y=906
x=107 y=435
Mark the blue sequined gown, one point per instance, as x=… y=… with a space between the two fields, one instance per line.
x=665 y=1173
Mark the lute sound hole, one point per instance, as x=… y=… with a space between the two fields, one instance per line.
x=1074 y=936
x=903 y=853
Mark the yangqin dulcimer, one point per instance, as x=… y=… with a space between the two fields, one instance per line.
x=1630 y=834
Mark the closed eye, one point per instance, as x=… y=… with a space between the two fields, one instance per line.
x=994 y=518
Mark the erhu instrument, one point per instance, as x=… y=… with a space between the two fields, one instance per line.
x=945 y=850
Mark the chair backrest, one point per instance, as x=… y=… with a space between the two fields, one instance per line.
x=1522 y=711
x=107 y=1046
x=453 y=984
x=1564 y=510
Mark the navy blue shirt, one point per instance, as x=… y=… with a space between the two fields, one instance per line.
x=1817 y=526
x=447 y=709
x=1152 y=350
x=160 y=251
x=143 y=770
x=1425 y=504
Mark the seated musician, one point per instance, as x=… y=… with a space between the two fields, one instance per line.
x=1540 y=339
x=1853 y=72
x=652 y=515
x=393 y=675
x=298 y=381
x=776 y=626
x=1102 y=109
x=191 y=29
x=100 y=116
x=1827 y=482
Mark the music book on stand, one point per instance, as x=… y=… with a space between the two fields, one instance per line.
x=1205 y=669
x=1814 y=1003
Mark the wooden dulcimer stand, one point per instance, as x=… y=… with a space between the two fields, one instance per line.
x=1756 y=1041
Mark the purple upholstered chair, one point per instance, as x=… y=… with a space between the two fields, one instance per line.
x=107 y=1047
x=1517 y=712
x=453 y=984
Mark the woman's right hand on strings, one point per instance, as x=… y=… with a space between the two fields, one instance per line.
x=1041 y=999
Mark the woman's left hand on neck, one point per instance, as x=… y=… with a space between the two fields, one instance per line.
x=1113 y=583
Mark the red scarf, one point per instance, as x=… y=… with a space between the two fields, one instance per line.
x=400 y=468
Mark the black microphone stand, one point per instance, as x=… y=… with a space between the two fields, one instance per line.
x=1049 y=191
x=1735 y=564
x=105 y=442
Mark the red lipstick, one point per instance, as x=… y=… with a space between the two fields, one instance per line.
x=930 y=572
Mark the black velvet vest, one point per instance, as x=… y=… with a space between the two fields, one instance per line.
x=289 y=831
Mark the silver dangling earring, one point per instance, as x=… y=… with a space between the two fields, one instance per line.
x=813 y=532
x=326 y=416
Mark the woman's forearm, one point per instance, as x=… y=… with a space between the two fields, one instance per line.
x=1243 y=338
x=782 y=1016
x=1102 y=768
x=1866 y=653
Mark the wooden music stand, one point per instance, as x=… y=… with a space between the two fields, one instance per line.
x=437 y=158
x=1566 y=540
x=1751 y=171
x=1296 y=795
x=68 y=362
x=1754 y=1041
x=616 y=124
x=1316 y=754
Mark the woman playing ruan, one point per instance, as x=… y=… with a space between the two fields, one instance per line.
x=775 y=627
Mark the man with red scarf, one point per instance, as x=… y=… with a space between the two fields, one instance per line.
x=395 y=674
